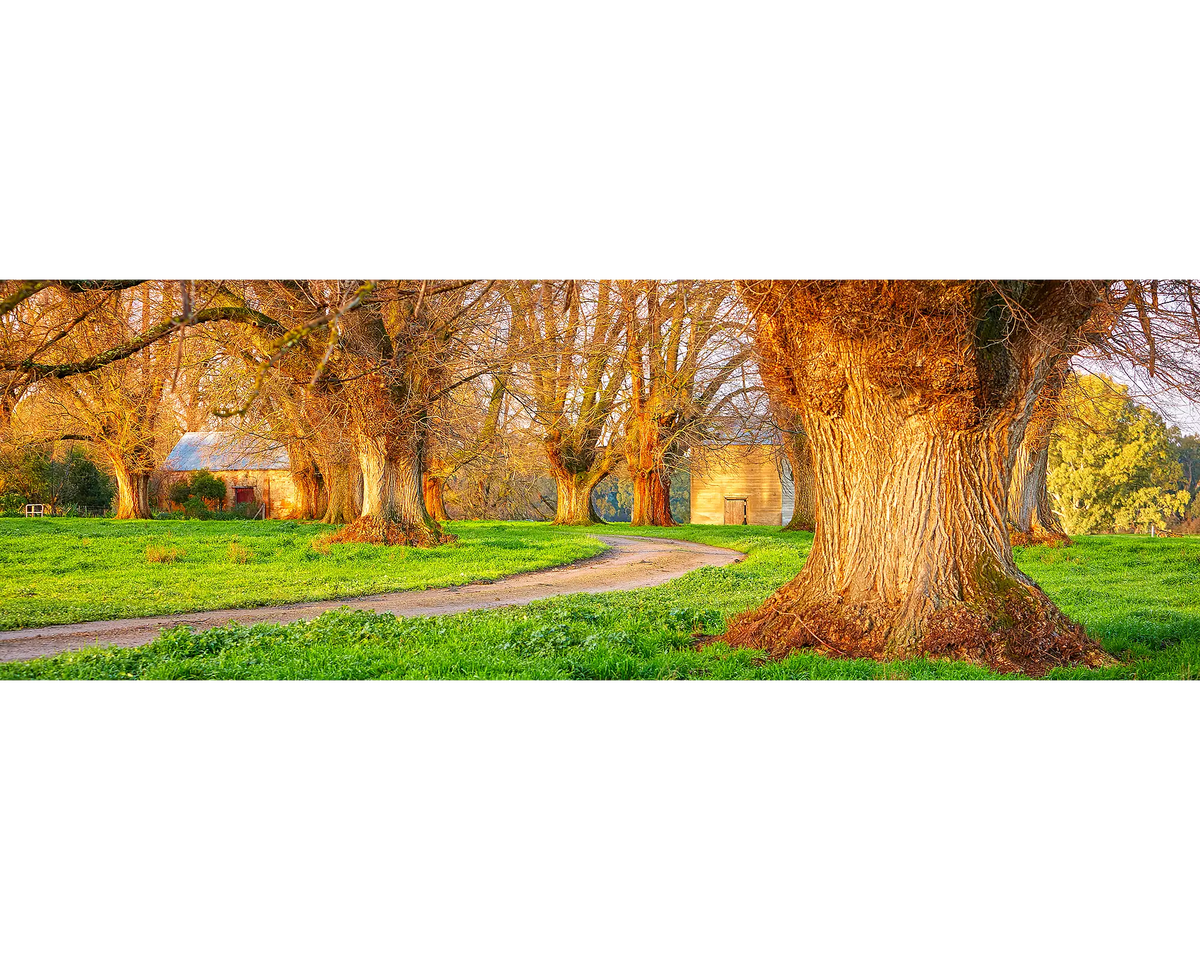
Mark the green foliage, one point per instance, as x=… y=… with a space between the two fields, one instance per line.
x=208 y=487
x=200 y=487
x=197 y=508
x=33 y=474
x=1112 y=463
x=179 y=492
x=1187 y=452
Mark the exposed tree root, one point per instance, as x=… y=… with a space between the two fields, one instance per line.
x=1019 y=632
x=390 y=533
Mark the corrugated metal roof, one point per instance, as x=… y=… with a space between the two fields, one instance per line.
x=225 y=450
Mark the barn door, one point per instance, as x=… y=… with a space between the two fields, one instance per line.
x=735 y=510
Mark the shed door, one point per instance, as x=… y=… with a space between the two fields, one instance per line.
x=735 y=510
x=243 y=494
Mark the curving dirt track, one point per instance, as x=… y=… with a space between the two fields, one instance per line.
x=629 y=562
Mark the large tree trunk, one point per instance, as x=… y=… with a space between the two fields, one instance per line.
x=306 y=481
x=652 y=499
x=340 y=504
x=576 y=466
x=911 y=556
x=133 y=492
x=574 y=487
x=1029 y=513
x=393 y=507
x=804 y=489
x=574 y=508
x=435 y=485
x=646 y=456
x=913 y=440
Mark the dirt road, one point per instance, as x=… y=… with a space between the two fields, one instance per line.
x=629 y=562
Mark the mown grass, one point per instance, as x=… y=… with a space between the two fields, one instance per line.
x=1140 y=597
x=67 y=570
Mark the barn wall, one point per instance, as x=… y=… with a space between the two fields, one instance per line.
x=751 y=472
x=273 y=487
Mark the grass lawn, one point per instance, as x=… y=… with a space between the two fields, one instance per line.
x=67 y=570
x=1140 y=597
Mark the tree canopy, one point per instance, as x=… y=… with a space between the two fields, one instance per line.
x=1113 y=466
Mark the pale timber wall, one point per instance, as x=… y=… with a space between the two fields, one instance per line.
x=749 y=471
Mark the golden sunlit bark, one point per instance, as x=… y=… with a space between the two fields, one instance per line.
x=339 y=489
x=914 y=398
x=574 y=483
x=133 y=491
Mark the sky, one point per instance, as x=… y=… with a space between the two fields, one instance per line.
x=1175 y=408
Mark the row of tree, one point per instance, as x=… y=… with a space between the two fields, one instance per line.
x=382 y=392
x=920 y=414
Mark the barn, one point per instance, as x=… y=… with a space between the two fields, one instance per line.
x=255 y=471
x=747 y=483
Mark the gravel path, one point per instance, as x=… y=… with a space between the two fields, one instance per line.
x=630 y=562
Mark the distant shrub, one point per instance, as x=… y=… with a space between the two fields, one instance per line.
x=179 y=492
x=207 y=487
x=197 y=508
x=32 y=474
x=158 y=554
x=199 y=493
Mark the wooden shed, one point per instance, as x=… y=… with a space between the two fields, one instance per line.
x=747 y=484
x=255 y=471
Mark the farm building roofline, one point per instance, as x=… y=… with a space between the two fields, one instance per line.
x=225 y=450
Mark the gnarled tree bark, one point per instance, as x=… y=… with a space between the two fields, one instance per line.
x=799 y=458
x=1029 y=513
x=393 y=501
x=133 y=491
x=647 y=438
x=340 y=504
x=914 y=398
x=575 y=474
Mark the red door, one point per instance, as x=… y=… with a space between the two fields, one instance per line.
x=243 y=495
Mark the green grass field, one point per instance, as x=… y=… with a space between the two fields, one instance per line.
x=65 y=570
x=1140 y=597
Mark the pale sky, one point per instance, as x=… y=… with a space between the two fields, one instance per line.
x=1174 y=407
